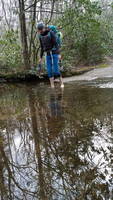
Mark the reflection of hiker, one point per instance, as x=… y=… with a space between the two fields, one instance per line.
x=55 y=114
x=55 y=105
x=48 y=42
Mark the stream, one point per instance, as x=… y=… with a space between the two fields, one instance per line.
x=57 y=144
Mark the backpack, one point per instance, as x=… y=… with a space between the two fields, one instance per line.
x=58 y=34
x=46 y=41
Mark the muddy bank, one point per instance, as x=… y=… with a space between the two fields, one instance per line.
x=34 y=76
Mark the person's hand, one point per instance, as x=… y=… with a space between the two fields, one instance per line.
x=40 y=61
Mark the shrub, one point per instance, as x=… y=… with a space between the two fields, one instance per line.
x=82 y=33
x=10 y=55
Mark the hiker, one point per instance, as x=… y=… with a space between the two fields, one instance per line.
x=49 y=45
x=59 y=37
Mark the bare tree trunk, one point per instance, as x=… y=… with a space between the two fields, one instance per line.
x=36 y=136
x=23 y=34
x=41 y=5
x=32 y=36
x=52 y=9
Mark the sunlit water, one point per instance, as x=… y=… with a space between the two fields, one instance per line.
x=54 y=144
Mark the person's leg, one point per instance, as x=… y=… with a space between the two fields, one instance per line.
x=61 y=81
x=52 y=82
x=56 y=70
x=49 y=70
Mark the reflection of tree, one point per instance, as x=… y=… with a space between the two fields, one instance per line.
x=37 y=137
x=42 y=126
x=48 y=151
x=3 y=188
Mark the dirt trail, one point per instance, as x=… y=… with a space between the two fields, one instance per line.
x=94 y=74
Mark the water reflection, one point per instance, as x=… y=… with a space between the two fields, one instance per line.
x=56 y=145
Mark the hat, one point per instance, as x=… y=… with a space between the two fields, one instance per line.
x=40 y=25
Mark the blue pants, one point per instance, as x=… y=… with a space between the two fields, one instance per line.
x=52 y=62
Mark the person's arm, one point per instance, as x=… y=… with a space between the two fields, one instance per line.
x=42 y=50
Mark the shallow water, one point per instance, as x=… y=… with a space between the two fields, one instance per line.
x=54 y=144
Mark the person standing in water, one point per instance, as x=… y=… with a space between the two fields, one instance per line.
x=49 y=45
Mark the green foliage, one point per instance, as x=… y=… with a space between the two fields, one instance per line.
x=10 y=55
x=87 y=36
x=82 y=33
x=106 y=22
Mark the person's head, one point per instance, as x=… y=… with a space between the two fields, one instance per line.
x=40 y=27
